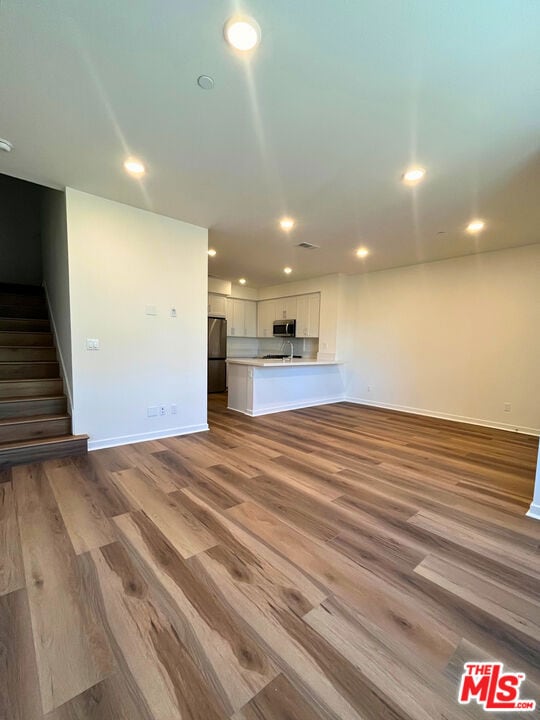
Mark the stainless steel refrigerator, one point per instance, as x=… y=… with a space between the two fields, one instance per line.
x=217 y=352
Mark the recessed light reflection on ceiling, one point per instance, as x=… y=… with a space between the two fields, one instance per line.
x=413 y=175
x=242 y=281
x=242 y=33
x=362 y=252
x=134 y=167
x=212 y=252
x=475 y=226
x=286 y=224
x=287 y=270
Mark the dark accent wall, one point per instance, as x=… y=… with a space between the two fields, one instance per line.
x=20 y=224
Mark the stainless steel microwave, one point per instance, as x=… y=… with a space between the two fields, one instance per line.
x=284 y=328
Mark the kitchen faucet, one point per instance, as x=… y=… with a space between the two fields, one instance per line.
x=292 y=349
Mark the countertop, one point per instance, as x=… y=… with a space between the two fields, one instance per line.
x=261 y=362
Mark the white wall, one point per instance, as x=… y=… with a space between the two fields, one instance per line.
x=243 y=292
x=121 y=260
x=54 y=249
x=457 y=338
x=20 y=251
x=331 y=288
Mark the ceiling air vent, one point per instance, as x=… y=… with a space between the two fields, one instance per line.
x=308 y=246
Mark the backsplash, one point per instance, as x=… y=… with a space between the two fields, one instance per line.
x=242 y=347
x=254 y=347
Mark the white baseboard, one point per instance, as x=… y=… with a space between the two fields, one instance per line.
x=141 y=437
x=534 y=511
x=65 y=379
x=288 y=406
x=447 y=416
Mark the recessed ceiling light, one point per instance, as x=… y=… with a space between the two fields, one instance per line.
x=205 y=82
x=5 y=145
x=134 y=167
x=413 y=175
x=287 y=270
x=242 y=281
x=475 y=226
x=286 y=224
x=362 y=252
x=242 y=33
x=212 y=252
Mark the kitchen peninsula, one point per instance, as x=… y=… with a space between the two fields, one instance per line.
x=259 y=386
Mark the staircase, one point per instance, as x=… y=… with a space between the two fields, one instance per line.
x=34 y=421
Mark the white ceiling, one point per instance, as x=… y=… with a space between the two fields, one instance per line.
x=338 y=99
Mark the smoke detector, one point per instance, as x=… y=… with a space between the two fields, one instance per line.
x=5 y=145
x=308 y=246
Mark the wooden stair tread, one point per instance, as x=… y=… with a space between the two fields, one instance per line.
x=21 y=289
x=26 y=380
x=12 y=445
x=44 y=321
x=27 y=362
x=23 y=332
x=30 y=398
x=33 y=418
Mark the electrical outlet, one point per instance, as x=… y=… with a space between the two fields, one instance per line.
x=173 y=312
x=162 y=410
x=174 y=409
x=507 y=407
x=369 y=388
x=152 y=411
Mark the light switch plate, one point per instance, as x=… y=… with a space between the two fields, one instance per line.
x=92 y=344
x=151 y=310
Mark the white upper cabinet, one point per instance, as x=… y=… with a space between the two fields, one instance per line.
x=247 y=318
x=285 y=308
x=229 y=316
x=250 y=318
x=241 y=318
x=307 y=316
x=266 y=310
x=217 y=305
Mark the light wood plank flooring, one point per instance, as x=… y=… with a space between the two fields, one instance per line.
x=335 y=562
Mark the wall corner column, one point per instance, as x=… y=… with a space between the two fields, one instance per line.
x=534 y=510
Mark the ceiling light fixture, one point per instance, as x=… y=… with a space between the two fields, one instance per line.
x=242 y=281
x=413 y=175
x=287 y=270
x=362 y=252
x=286 y=224
x=242 y=33
x=212 y=252
x=134 y=167
x=5 y=145
x=205 y=82
x=475 y=226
